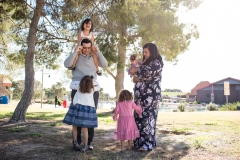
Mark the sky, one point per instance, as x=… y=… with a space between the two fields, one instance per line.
x=215 y=55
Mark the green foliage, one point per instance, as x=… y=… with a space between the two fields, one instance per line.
x=18 y=129
x=212 y=106
x=171 y=90
x=5 y=114
x=35 y=135
x=198 y=144
x=230 y=106
x=195 y=102
x=182 y=107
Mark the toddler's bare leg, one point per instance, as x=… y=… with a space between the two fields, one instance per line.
x=96 y=64
x=122 y=145
x=129 y=144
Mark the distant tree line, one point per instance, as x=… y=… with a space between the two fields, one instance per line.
x=172 y=90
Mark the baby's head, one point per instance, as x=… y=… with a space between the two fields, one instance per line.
x=125 y=95
x=133 y=57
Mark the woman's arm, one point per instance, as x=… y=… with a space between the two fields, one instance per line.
x=151 y=71
x=136 y=79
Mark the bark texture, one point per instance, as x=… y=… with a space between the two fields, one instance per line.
x=19 y=114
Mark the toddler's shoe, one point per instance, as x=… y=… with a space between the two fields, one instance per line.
x=71 y=68
x=99 y=73
x=76 y=146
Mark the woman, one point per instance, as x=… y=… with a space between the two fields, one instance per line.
x=148 y=91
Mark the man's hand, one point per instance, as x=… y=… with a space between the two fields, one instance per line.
x=79 y=49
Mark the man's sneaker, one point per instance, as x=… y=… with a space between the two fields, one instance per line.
x=84 y=149
x=90 y=147
x=76 y=146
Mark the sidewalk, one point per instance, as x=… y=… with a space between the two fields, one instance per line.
x=36 y=107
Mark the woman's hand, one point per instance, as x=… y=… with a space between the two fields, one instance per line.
x=136 y=79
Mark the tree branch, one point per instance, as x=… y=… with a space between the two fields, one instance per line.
x=109 y=72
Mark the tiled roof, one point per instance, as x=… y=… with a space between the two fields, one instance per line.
x=200 y=85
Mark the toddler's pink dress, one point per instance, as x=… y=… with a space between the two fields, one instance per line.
x=126 y=125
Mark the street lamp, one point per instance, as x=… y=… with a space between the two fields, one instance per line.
x=42 y=86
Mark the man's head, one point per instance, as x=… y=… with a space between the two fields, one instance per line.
x=87 y=46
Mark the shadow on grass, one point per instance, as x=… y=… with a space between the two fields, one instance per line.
x=53 y=140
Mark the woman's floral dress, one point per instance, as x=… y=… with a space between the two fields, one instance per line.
x=149 y=93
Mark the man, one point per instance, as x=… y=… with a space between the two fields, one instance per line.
x=56 y=101
x=85 y=66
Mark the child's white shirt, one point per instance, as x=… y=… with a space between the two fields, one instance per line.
x=88 y=37
x=84 y=99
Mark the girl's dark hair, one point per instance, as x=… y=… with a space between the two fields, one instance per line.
x=125 y=95
x=86 y=21
x=86 y=84
x=154 y=54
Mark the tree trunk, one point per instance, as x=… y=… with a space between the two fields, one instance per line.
x=119 y=81
x=19 y=114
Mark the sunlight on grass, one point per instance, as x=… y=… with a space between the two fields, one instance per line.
x=181 y=130
x=199 y=140
x=5 y=114
x=45 y=116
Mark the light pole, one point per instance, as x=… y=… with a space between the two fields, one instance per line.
x=42 y=86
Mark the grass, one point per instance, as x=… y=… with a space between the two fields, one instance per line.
x=18 y=129
x=204 y=128
x=35 y=135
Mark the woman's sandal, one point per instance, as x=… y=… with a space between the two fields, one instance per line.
x=99 y=73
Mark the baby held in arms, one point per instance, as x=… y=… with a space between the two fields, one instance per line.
x=134 y=66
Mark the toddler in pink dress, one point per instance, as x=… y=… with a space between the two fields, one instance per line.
x=126 y=125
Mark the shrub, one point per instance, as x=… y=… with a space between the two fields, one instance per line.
x=212 y=107
x=183 y=101
x=195 y=102
x=182 y=107
x=230 y=106
x=191 y=110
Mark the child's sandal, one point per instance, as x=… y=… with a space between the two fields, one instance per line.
x=99 y=73
x=71 y=68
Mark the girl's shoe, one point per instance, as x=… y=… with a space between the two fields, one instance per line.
x=99 y=73
x=76 y=146
x=84 y=149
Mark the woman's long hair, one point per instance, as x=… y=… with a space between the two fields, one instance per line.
x=154 y=54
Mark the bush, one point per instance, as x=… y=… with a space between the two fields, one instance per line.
x=230 y=106
x=195 y=102
x=182 y=107
x=183 y=101
x=212 y=106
